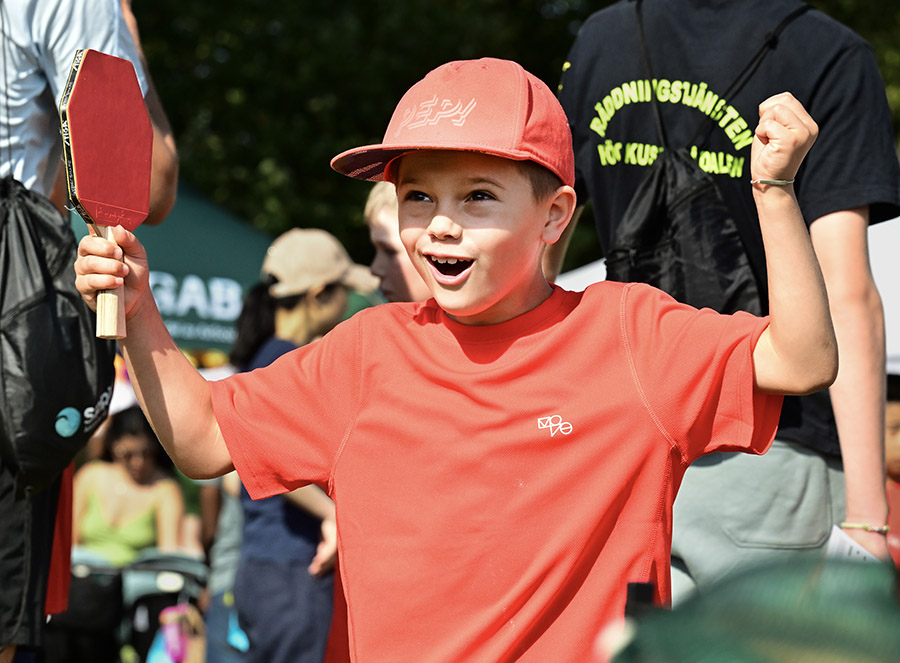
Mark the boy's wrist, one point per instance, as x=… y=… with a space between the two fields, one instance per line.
x=773 y=182
x=772 y=194
x=872 y=528
x=144 y=305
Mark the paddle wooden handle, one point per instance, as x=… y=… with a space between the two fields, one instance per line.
x=110 y=303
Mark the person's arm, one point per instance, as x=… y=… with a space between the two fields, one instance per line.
x=797 y=353
x=857 y=395
x=313 y=500
x=555 y=254
x=172 y=393
x=210 y=505
x=164 y=176
x=169 y=514
x=59 y=196
x=60 y=29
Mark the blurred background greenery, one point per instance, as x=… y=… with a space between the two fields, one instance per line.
x=261 y=94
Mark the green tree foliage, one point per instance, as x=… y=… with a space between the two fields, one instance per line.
x=261 y=94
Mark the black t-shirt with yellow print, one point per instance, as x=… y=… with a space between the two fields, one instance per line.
x=606 y=94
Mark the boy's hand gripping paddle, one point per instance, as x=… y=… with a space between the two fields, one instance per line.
x=108 y=146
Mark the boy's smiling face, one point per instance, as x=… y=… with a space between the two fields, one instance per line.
x=475 y=232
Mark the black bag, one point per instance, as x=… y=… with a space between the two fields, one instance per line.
x=677 y=233
x=56 y=377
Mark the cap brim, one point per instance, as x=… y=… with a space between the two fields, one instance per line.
x=368 y=162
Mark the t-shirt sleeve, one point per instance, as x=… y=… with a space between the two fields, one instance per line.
x=694 y=371
x=80 y=24
x=284 y=424
x=853 y=162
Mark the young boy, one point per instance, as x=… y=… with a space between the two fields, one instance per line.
x=504 y=456
x=400 y=282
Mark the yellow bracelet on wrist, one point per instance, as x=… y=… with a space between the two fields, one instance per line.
x=884 y=529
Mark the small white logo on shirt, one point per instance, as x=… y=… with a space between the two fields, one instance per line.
x=555 y=424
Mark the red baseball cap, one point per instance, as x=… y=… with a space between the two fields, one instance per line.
x=489 y=105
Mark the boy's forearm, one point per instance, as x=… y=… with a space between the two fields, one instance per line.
x=173 y=394
x=800 y=339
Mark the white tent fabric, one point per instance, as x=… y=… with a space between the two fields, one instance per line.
x=581 y=277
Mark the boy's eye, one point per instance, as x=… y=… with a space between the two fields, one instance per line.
x=417 y=196
x=481 y=195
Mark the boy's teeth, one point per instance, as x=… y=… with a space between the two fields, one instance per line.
x=450 y=266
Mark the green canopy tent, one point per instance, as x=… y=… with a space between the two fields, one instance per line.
x=203 y=259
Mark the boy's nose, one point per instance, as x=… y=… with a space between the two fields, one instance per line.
x=379 y=264
x=443 y=227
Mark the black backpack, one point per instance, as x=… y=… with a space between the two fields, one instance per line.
x=56 y=377
x=677 y=233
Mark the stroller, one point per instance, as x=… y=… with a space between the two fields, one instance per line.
x=113 y=614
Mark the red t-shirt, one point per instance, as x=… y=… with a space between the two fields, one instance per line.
x=892 y=489
x=498 y=486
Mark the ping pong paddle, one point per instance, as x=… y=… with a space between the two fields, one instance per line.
x=108 y=148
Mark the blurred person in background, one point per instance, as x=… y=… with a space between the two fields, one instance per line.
x=400 y=282
x=128 y=500
x=284 y=585
x=221 y=523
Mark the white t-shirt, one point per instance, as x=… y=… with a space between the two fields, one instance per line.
x=38 y=40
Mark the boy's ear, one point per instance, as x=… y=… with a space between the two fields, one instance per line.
x=560 y=207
